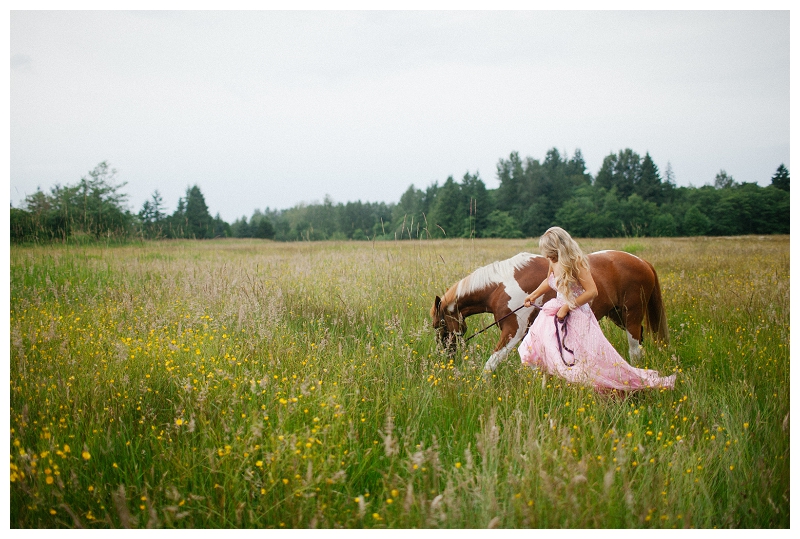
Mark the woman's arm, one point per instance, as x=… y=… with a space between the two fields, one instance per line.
x=589 y=288
x=542 y=289
x=530 y=298
x=589 y=292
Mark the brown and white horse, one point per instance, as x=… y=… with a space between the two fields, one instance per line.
x=627 y=286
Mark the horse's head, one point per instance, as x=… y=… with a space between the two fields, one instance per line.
x=448 y=323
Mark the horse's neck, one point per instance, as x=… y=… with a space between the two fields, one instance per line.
x=476 y=302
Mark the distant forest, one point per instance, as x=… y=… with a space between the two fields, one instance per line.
x=628 y=197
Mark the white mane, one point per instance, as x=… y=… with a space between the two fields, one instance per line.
x=496 y=272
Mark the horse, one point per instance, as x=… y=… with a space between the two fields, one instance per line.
x=628 y=293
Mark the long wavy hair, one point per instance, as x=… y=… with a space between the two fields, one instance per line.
x=556 y=242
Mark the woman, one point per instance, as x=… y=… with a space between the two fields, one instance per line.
x=565 y=339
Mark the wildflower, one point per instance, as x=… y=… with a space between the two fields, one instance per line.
x=86 y=455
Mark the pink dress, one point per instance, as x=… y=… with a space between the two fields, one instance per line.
x=583 y=355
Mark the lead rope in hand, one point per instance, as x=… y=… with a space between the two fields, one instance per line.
x=562 y=339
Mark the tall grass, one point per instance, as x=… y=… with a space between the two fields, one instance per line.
x=253 y=384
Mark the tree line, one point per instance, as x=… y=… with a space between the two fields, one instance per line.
x=628 y=197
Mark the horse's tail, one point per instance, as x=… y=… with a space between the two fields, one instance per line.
x=655 y=312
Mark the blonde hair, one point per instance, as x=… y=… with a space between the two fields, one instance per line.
x=557 y=242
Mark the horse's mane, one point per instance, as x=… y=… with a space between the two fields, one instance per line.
x=493 y=273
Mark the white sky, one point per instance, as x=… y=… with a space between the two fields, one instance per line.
x=275 y=108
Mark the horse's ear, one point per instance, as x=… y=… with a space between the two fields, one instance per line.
x=437 y=302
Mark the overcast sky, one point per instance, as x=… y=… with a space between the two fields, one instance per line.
x=276 y=108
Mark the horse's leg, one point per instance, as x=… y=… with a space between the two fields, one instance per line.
x=615 y=316
x=512 y=330
x=633 y=329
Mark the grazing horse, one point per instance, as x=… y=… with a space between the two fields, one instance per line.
x=628 y=293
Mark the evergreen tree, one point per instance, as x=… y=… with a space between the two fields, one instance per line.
x=668 y=185
x=264 y=229
x=605 y=176
x=479 y=205
x=240 y=228
x=152 y=216
x=449 y=212
x=177 y=222
x=669 y=175
x=649 y=184
x=781 y=178
x=577 y=166
x=221 y=229
x=407 y=214
x=723 y=181
x=511 y=176
x=622 y=171
x=199 y=223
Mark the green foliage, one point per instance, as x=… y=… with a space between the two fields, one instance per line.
x=627 y=198
x=264 y=229
x=695 y=222
x=152 y=217
x=723 y=181
x=499 y=224
x=648 y=186
x=533 y=192
x=622 y=171
x=221 y=229
x=329 y=221
x=198 y=220
x=260 y=226
x=23 y=226
x=780 y=179
x=93 y=207
x=664 y=225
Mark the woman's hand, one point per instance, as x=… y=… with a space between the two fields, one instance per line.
x=563 y=311
x=533 y=296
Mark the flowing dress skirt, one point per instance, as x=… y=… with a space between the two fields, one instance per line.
x=593 y=360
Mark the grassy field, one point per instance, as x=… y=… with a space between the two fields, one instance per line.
x=244 y=383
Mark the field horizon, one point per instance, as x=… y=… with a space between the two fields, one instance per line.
x=255 y=384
